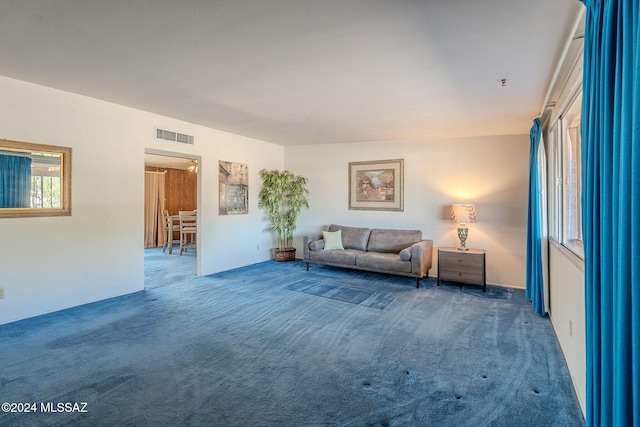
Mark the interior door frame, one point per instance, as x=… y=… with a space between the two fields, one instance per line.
x=198 y=158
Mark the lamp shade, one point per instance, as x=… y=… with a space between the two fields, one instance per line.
x=463 y=213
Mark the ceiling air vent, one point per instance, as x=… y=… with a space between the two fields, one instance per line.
x=169 y=135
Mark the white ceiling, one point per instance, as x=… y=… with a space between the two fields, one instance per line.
x=299 y=71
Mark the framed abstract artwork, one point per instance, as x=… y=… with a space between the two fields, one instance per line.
x=377 y=185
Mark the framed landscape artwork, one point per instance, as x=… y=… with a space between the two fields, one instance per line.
x=234 y=188
x=377 y=185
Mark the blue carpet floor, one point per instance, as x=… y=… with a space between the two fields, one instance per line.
x=377 y=300
x=274 y=345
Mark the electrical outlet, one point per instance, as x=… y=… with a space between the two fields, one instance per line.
x=258 y=247
x=570 y=328
x=1 y=293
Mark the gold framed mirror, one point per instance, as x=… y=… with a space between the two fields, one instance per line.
x=35 y=180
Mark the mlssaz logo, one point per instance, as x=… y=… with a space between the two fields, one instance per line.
x=63 y=407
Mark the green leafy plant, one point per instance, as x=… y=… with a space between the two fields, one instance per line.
x=282 y=196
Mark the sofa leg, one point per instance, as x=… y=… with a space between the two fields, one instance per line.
x=307 y=266
x=417 y=283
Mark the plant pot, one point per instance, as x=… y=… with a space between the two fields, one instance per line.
x=286 y=254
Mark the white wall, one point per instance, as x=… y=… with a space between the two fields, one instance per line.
x=48 y=264
x=491 y=172
x=568 y=314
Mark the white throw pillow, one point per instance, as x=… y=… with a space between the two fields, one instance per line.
x=332 y=240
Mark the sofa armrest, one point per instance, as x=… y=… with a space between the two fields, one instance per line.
x=306 y=240
x=421 y=253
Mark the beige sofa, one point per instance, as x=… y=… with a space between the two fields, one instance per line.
x=400 y=252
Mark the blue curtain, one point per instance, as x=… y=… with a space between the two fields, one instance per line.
x=535 y=279
x=15 y=181
x=611 y=205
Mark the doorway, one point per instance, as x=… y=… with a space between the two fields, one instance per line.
x=172 y=183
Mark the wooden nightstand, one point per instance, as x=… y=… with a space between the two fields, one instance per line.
x=462 y=266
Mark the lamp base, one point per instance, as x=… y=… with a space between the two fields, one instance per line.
x=463 y=232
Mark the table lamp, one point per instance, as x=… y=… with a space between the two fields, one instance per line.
x=462 y=214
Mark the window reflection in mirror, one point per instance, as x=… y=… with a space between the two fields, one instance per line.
x=35 y=179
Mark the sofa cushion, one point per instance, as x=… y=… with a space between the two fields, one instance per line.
x=392 y=241
x=405 y=254
x=346 y=257
x=353 y=237
x=332 y=240
x=379 y=261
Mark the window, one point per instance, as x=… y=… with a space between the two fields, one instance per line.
x=45 y=180
x=555 y=185
x=566 y=214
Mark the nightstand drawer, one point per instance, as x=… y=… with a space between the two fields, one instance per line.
x=473 y=277
x=454 y=260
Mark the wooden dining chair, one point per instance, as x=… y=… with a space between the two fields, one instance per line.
x=188 y=230
x=169 y=228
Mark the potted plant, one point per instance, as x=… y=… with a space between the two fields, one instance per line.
x=282 y=196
